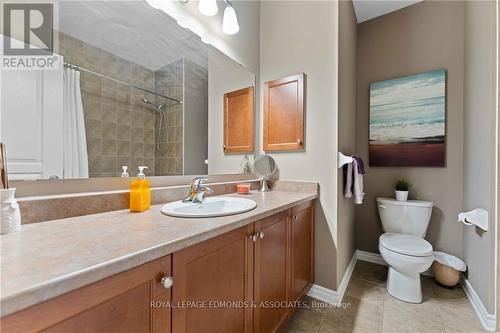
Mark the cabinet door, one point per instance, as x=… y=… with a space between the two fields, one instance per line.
x=284 y=114
x=238 y=121
x=271 y=273
x=121 y=303
x=208 y=274
x=301 y=250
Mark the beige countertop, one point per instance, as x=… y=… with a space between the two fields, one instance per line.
x=47 y=259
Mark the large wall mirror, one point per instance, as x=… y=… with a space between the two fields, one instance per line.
x=135 y=89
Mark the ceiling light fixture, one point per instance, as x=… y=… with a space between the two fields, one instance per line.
x=230 y=20
x=230 y=24
x=208 y=7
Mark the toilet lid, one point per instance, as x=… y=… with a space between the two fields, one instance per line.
x=406 y=244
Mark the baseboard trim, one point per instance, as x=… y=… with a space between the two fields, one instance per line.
x=323 y=294
x=370 y=257
x=377 y=259
x=346 y=278
x=488 y=320
x=331 y=296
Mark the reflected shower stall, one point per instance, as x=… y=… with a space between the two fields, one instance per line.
x=135 y=115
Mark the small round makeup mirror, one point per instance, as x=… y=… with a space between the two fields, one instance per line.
x=264 y=166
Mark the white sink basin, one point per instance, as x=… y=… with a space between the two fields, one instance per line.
x=210 y=207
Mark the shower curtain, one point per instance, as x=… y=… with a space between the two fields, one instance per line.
x=75 y=163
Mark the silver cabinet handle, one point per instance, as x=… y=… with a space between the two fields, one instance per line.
x=261 y=234
x=253 y=237
x=299 y=141
x=167 y=282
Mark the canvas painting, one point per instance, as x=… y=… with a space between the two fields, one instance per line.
x=408 y=120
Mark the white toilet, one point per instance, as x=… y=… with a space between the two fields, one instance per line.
x=403 y=246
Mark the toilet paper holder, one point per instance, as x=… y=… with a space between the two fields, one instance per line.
x=477 y=217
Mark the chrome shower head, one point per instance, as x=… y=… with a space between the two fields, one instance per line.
x=156 y=107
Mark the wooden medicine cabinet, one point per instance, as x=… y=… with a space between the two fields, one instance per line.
x=238 y=121
x=284 y=114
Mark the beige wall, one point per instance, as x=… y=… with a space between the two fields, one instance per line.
x=498 y=172
x=347 y=130
x=480 y=144
x=419 y=38
x=301 y=36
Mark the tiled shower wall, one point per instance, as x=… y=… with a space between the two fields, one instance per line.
x=187 y=123
x=120 y=128
x=170 y=81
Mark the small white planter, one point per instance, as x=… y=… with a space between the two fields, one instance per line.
x=401 y=195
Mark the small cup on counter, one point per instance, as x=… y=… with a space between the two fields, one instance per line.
x=243 y=188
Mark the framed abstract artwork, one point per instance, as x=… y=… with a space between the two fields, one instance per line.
x=408 y=121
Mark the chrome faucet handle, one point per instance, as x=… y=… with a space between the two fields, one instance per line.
x=200 y=193
x=205 y=189
x=198 y=181
x=196 y=184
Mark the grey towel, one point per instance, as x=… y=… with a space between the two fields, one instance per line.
x=361 y=165
x=354 y=183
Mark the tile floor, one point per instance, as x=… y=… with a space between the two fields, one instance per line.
x=369 y=308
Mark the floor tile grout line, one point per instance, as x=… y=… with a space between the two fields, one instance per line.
x=321 y=321
x=383 y=311
x=370 y=281
x=441 y=317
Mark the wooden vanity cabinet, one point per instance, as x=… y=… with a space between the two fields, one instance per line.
x=301 y=250
x=271 y=272
x=259 y=269
x=208 y=274
x=240 y=281
x=120 y=303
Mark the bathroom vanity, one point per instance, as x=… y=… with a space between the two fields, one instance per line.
x=148 y=272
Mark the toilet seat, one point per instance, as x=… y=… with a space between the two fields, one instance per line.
x=406 y=244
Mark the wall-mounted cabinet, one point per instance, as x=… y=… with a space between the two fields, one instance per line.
x=284 y=114
x=238 y=121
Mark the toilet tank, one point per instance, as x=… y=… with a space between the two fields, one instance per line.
x=405 y=217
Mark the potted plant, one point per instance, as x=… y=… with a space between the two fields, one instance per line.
x=401 y=188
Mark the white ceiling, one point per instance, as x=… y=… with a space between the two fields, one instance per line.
x=132 y=30
x=369 y=9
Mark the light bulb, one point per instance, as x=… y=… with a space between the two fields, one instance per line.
x=208 y=7
x=230 y=21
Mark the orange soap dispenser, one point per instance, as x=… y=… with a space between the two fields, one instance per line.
x=140 y=192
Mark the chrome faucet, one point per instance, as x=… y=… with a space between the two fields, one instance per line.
x=197 y=190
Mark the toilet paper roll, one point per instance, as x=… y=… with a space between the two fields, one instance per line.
x=478 y=217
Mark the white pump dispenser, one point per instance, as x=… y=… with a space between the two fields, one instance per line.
x=125 y=173
x=141 y=174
